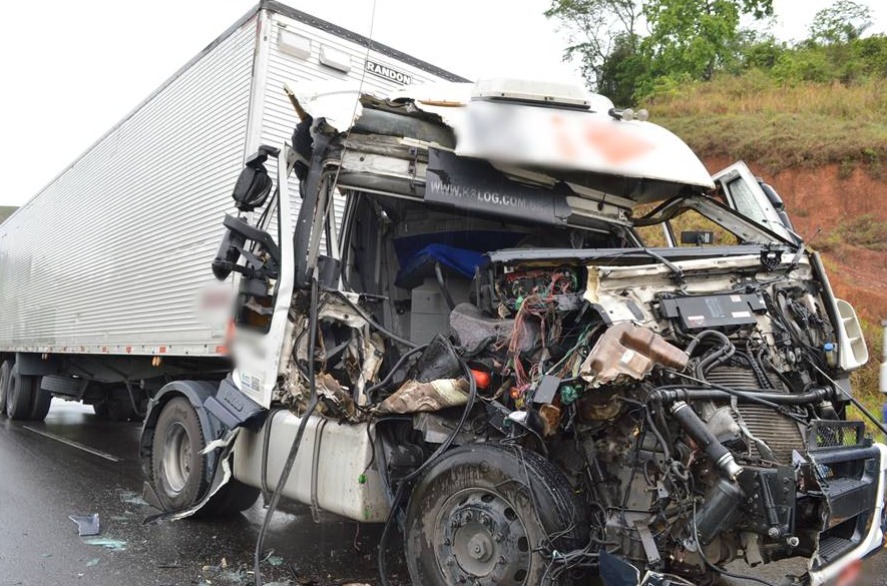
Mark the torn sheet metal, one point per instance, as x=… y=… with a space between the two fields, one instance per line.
x=363 y=355
x=627 y=349
x=86 y=524
x=337 y=102
x=416 y=397
x=337 y=401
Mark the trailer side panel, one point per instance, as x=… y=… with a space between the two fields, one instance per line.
x=113 y=256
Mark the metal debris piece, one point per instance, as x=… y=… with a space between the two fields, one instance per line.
x=86 y=524
x=416 y=397
x=112 y=544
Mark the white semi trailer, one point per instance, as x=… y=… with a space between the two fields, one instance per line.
x=105 y=287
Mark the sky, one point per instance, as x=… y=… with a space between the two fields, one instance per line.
x=71 y=70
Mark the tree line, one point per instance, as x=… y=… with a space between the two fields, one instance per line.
x=632 y=50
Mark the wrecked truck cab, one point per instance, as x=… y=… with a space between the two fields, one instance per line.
x=465 y=333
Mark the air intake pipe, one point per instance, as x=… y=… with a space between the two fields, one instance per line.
x=705 y=439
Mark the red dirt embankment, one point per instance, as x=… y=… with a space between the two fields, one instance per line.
x=819 y=198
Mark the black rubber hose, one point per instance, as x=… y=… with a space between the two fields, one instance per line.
x=394 y=368
x=297 y=442
x=722 y=571
x=705 y=439
x=813 y=396
x=377 y=326
x=707 y=334
x=748 y=396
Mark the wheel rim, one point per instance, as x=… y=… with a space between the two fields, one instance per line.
x=485 y=540
x=176 y=462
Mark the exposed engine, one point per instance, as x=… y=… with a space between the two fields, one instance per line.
x=677 y=402
x=681 y=403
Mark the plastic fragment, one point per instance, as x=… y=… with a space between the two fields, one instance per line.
x=86 y=524
x=46 y=555
x=92 y=562
x=112 y=544
x=275 y=560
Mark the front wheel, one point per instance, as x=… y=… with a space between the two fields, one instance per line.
x=485 y=515
x=179 y=467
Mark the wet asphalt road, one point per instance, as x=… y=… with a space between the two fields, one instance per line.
x=43 y=480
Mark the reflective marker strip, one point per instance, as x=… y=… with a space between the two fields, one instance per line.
x=74 y=444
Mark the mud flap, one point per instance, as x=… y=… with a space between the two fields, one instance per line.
x=220 y=478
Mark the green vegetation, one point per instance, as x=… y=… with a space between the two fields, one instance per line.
x=865 y=231
x=806 y=124
x=5 y=212
x=865 y=381
x=690 y=41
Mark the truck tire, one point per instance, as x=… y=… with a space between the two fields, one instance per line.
x=42 y=400
x=177 y=465
x=5 y=383
x=481 y=515
x=20 y=397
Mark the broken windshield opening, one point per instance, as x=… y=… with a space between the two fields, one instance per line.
x=700 y=221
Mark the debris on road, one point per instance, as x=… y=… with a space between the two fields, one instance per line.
x=112 y=544
x=93 y=562
x=86 y=524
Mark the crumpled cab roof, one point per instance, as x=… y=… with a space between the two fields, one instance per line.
x=563 y=141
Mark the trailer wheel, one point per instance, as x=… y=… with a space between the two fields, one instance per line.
x=5 y=383
x=177 y=464
x=20 y=396
x=488 y=515
x=42 y=400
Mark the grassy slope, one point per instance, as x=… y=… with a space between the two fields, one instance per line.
x=752 y=119
x=807 y=125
